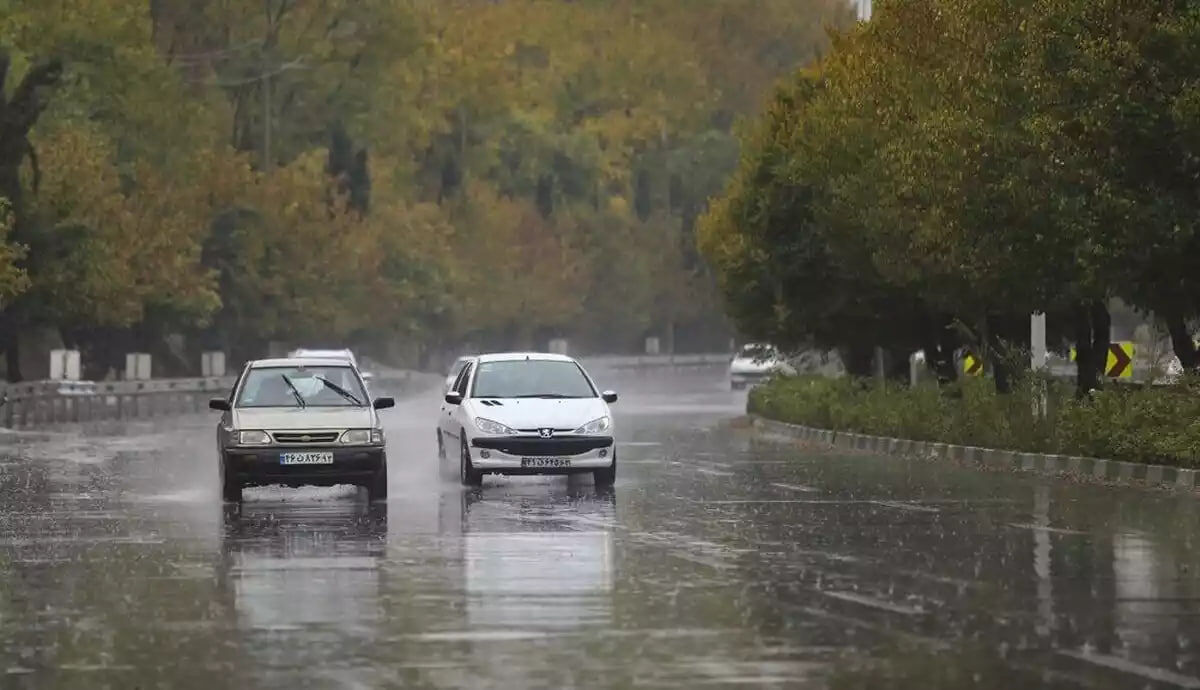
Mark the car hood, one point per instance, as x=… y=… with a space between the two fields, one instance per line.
x=303 y=418
x=535 y=413
x=751 y=365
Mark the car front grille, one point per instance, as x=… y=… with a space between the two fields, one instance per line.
x=304 y=437
x=534 y=447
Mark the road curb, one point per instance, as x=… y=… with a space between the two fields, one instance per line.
x=1095 y=469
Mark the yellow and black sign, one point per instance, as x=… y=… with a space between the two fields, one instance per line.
x=1119 y=363
x=972 y=364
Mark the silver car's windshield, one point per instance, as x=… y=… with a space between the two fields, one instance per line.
x=536 y=378
x=269 y=387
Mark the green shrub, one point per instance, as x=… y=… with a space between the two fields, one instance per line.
x=1135 y=423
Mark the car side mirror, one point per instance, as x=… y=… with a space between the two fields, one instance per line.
x=454 y=398
x=383 y=403
x=609 y=396
x=220 y=404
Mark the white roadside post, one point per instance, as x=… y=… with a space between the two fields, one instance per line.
x=1037 y=355
x=212 y=364
x=64 y=365
x=137 y=366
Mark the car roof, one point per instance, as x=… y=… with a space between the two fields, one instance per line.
x=299 y=362
x=307 y=352
x=516 y=356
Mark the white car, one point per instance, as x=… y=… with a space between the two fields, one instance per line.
x=526 y=413
x=755 y=363
x=347 y=355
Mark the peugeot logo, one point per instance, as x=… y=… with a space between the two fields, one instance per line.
x=546 y=433
x=306 y=438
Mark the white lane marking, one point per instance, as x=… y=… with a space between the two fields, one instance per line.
x=715 y=473
x=900 y=505
x=1044 y=528
x=1148 y=672
x=639 y=444
x=482 y=636
x=797 y=487
x=874 y=603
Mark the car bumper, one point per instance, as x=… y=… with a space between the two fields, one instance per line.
x=261 y=466
x=512 y=455
x=750 y=377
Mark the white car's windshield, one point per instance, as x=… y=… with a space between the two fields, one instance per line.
x=532 y=378
x=758 y=352
x=321 y=386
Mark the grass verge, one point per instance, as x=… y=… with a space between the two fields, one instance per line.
x=1159 y=425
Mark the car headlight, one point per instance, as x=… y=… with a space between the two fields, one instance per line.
x=487 y=426
x=376 y=435
x=356 y=437
x=253 y=438
x=596 y=426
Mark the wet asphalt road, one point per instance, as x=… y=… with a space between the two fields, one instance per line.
x=718 y=560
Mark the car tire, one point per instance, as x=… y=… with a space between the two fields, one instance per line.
x=736 y=385
x=467 y=472
x=377 y=487
x=606 y=476
x=231 y=488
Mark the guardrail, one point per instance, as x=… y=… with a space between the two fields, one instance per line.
x=46 y=403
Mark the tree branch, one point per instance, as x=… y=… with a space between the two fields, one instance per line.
x=33 y=164
x=4 y=63
x=31 y=97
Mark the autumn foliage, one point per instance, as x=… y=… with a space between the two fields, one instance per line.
x=427 y=172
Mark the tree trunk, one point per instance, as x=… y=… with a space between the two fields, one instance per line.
x=1092 y=338
x=1181 y=341
x=939 y=344
x=1005 y=332
x=858 y=360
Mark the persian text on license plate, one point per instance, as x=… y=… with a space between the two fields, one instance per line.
x=545 y=462
x=306 y=458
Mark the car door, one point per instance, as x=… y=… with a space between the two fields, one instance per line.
x=450 y=417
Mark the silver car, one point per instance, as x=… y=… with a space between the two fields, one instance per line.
x=301 y=421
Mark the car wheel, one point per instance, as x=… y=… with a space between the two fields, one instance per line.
x=736 y=385
x=377 y=487
x=608 y=475
x=467 y=472
x=231 y=488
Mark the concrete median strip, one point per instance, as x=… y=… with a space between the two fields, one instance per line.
x=1097 y=469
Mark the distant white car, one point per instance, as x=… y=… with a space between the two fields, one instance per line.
x=755 y=363
x=345 y=354
x=527 y=413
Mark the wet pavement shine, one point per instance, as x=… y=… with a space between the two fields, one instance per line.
x=719 y=559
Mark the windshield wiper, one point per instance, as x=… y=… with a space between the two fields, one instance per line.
x=295 y=391
x=339 y=390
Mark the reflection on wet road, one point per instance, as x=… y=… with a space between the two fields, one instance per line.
x=718 y=559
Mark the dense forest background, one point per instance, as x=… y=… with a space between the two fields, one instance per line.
x=408 y=176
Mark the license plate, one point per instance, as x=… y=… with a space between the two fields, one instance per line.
x=306 y=458
x=545 y=462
